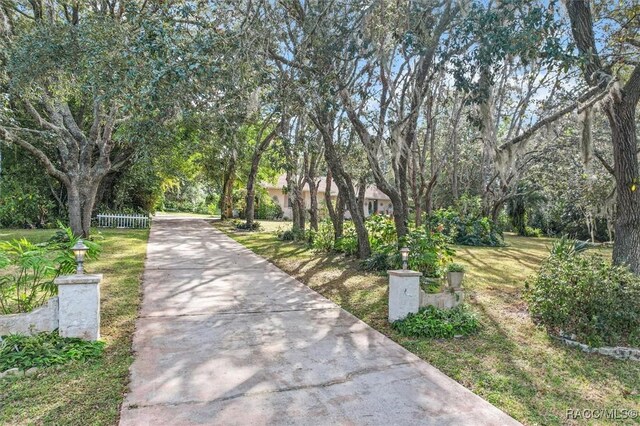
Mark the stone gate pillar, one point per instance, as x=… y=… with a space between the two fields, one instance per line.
x=79 y=304
x=404 y=293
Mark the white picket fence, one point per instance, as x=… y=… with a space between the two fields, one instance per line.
x=123 y=221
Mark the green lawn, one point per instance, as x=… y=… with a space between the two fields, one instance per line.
x=510 y=363
x=86 y=393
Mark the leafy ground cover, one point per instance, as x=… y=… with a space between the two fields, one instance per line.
x=438 y=323
x=510 y=362
x=81 y=393
x=45 y=350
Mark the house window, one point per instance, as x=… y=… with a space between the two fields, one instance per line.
x=370 y=207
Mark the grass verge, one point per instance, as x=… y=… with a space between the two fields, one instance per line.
x=81 y=393
x=510 y=362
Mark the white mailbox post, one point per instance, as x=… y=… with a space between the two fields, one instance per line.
x=404 y=293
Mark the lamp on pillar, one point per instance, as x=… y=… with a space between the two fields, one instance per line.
x=404 y=251
x=79 y=250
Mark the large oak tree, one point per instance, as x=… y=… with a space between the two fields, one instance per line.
x=74 y=72
x=619 y=78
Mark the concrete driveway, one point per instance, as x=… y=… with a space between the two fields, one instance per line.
x=226 y=338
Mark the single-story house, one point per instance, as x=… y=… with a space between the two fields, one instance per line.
x=375 y=201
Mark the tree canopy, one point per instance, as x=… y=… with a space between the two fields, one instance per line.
x=528 y=106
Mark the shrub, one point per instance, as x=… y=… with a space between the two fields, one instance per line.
x=27 y=270
x=455 y=267
x=323 y=238
x=287 y=235
x=586 y=298
x=348 y=244
x=44 y=350
x=467 y=229
x=431 y=285
x=533 y=232
x=268 y=209
x=290 y=235
x=213 y=209
x=26 y=198
x=429 y=251
x=243 y=226
x=564 y=247
x=380 y=261
x=382 y=231
x=435 y=323
x=25 y=210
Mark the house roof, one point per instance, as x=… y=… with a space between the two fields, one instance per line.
x=372 y=191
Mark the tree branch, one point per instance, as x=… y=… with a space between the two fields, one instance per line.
x=51 y=169
x=38 y=118
x=590 y=97
x=604 y=163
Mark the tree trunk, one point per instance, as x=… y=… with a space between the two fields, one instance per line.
x=80 y=201
x=226 y=201
x=295 y=211
x=428 y=203
x=324 y=122
x=297 y=203
x=428 y=209
x=620 y=108
x=327 y=198
x=344 y=183
x=311 y=166
x=336 y=214
x=418 y=213
x=89 y=199
x=74 y=207
x=495 y=210
x=357 y=216
x=489 y=141
x=626 y=247
x=404 y=196
x=295 y=215
x=250 y=210
x=313 y=208
x=417 y=186
x=338 y=226
x=398 y=192
x=454 y=168
x=400 y=216
x=400 y=220
x=253 y=173
x=301 y=212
